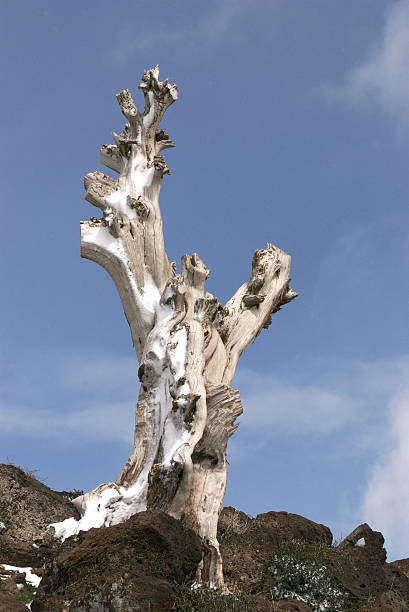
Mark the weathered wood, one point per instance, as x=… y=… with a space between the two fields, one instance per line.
x=210 y=475
x=187 y=343
x=111 y=157
x=98 y=187
x=251 y=307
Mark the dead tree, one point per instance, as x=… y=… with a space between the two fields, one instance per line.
x=186 y=341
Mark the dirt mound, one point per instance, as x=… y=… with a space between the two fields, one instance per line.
x=27 y=507
x=135 y=566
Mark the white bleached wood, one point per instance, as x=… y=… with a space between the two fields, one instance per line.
x=187 y=343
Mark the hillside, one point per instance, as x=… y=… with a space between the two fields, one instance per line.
x=276 y=561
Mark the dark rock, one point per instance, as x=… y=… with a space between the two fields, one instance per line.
x=135 y=566
x=148 y=561
x=204 y=600
x=295 y=527
x=390 y=601
x=292 y=605
x=364 y=537
x=27 y=507
x=359 y=564
x=247 y=543
x=13 y=584
x=263 y=603
x=20 y=577
x=394 y=597
x=401 y=565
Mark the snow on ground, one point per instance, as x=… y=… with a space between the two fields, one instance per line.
x=28 y=571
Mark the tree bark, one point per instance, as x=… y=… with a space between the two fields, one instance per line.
x=187 y=343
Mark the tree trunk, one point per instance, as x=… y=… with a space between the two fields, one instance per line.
x=187 y=343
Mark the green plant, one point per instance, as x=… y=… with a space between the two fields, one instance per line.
x=302 y=571
x=71 y=494
x=27 y=593
x=235 y=522
x=205 y=600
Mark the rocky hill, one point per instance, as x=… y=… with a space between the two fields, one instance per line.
x=274 y=562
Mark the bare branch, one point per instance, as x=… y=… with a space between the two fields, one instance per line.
x=159 y=95
x=194 y=272
x=111 y=158
x=98 y=187
x=127 y=105
x=162 y=141
x=99 y=245
x=130 y=232
x=251 y=307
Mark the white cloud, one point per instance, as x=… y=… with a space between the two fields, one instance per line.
x=110 y=422
x=69 y=398
x=293 y=409
x=322 y=398
x=200 y=29
x=383 y=76
x=360 y=412
x=386 y=499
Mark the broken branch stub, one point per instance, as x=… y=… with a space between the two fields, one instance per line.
x=186 y=341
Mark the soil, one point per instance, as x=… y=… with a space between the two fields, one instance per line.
x=27 y=507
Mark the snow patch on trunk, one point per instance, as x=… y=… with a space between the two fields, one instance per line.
x=175 y=433
x=136 y=179
x=110 y=505
x=113 y=504
x=148 y=118
x=148 y=299
x=174 y=437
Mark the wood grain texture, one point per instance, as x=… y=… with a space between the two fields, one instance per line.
x=187 y=343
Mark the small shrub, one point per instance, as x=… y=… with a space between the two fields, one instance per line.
x=235 y=523
x=27 y=593
x=205 y=600
x=301 y=572
x=30 y=473
x=71 y=494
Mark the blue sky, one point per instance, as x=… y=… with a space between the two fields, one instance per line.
x=292 y=127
